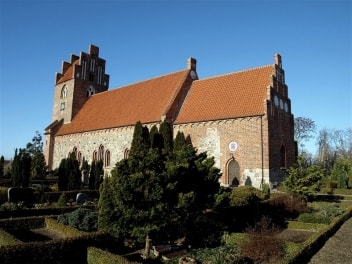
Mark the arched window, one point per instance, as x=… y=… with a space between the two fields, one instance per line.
x=79 y=158
x=101 y=153
x=107 y=158
x=126 y=153
x=233 y=171
x=64 y=91
x=75 y=152
x=90 y=91
x=95 y=155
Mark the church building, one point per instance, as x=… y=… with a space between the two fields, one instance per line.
x=243 y=119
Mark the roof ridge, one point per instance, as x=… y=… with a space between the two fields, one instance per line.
x=135 y=83
x=236 y=72
x=147 y=80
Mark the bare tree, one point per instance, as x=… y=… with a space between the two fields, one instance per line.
x=334 y=144
x=303 y=130
x=342 y=140
x=325 y=150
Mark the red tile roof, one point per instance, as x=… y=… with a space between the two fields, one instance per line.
x=232 y=95
x=145 y=101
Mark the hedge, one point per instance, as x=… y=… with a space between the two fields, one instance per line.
x=68 y=250
x=66 y=230
x=8 y=239
x=99 y=256
x=22 y=223
x=37 y=212
x=312 y=245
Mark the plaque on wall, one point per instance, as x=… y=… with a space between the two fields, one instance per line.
x=233 y=146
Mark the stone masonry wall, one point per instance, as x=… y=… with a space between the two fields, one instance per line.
x=214 y=138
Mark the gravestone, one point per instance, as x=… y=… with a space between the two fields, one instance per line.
x=82 y=198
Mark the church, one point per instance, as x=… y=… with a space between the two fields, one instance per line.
x=243 y=119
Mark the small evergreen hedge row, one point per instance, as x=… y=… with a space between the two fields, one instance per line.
x=312 y=245
x=66 y=230
x=35 y=212
x=68 y=250
x=22 y=223
x=7 y=239
x=99 y=256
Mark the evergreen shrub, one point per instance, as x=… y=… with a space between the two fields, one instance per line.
x=3 y=195
x=22 y=222
x=313 y=218
x=7 y=239
x=99 y=256
x=245 y=195
x=82 y=218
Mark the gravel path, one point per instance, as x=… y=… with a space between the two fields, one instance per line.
x=337 y=249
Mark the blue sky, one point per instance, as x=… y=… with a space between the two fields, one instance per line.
x=145 y=39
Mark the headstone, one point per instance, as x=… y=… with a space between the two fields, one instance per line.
x=17 y=194
x=85 y=177
x=81 y=198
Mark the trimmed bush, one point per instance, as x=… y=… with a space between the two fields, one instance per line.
x=313 y=218
x=245 y=195
x=23 y=222
x=7 y=239
x=83 y=219
x=3 y=194
x=317 y=240
x=99 y=256
x=68 y=250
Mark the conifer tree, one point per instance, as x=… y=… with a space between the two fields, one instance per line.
x=69 y=174
x=137 y=141
x=180 y=141
x=156 y=139
x=146 y=138
x=63 y=175
x=166 y=131
x=106 y=205
x=2 y=164
x=157 y=194
x=21 y=168
x=96 y=175
x=38 y=166
x=91 y=181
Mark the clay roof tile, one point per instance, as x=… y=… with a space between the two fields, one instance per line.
x=231 y=95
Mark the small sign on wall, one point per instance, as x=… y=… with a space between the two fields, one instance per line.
x=233 y=146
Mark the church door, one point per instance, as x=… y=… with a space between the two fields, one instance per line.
x=234 y=173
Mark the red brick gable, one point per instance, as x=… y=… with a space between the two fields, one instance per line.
x=232 y=95
x=145 y=101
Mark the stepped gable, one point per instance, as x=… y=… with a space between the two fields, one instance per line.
x=239 y=94
x=68 y=74
x=146 y=101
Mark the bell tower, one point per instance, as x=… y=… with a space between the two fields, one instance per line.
x=79 y=79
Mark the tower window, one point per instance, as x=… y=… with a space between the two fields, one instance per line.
x=64 y=91
x=62 y=106
x=90 y=91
